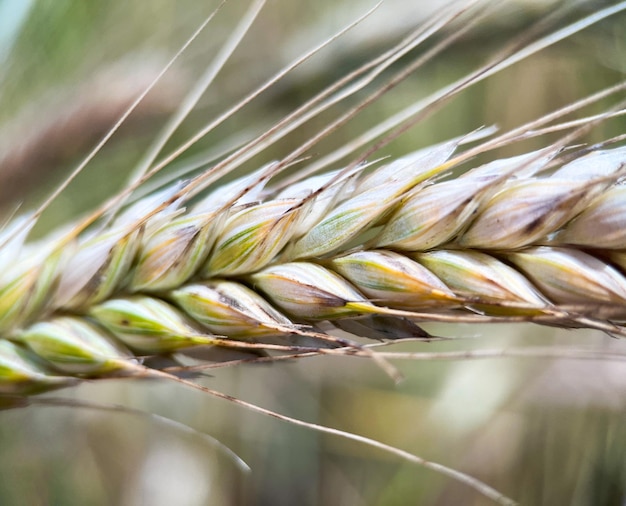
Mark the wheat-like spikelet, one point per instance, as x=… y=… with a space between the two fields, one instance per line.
x=490 y=245
x=259 y=264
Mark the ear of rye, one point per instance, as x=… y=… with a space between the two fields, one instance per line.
x=505 y=211
x=373 y=249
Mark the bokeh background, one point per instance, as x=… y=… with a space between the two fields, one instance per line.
x=543 y=431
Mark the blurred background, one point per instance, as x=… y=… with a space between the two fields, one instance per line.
x=543 y=431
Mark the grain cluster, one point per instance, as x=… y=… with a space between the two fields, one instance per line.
x=268 y=265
